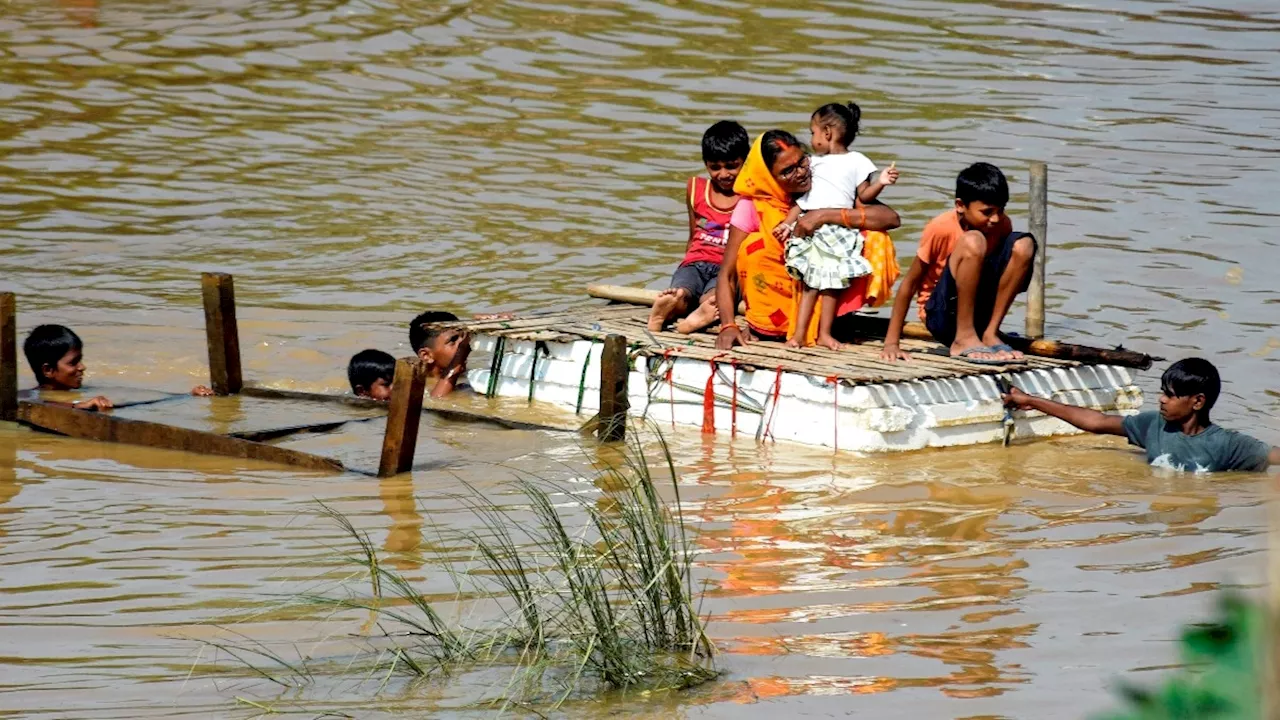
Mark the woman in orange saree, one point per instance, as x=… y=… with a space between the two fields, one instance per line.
x=776 y=171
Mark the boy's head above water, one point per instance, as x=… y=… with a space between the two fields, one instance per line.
x=438 y=347
x=834 y=124
x=370 y=373
x=55 y=354
x=981 y=195
x=1189 y=388
x=724 y=149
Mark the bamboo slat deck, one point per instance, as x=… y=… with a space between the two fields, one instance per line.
x=856 y=364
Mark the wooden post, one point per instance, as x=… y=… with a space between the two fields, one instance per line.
x=1038 y=198
x=403 y=416
x=614 y=371
x=8 y=357
x=222 y=332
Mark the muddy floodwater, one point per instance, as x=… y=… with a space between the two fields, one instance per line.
x=354 y=163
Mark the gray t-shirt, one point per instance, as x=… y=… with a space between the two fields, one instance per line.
x=1212 y=450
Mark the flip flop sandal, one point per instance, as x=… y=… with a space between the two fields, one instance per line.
x=1005 y=347
x=967 y=356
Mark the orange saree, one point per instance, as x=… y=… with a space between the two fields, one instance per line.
x=771 y=295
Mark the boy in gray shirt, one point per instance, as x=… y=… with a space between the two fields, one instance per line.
x=1180 y=435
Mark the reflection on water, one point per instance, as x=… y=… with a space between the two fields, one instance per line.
x=355 y=162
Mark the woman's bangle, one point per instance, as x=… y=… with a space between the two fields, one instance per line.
x=862 y=217
x=844 y=218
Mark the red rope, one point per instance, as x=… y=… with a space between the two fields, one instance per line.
x=709 y=402
x=835 y=404
x=777 y=390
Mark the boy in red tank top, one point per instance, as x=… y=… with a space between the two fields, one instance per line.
x=710 y=201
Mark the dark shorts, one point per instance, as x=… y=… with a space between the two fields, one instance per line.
x=940 y=310
x=699 y=278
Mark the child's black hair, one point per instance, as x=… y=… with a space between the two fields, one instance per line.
x=47 y=344
x=419 y=332
x=774 y=142
x=1193 y=376
x=368 y=366
x=844 y=118
x=984 y=182
x=725 y=141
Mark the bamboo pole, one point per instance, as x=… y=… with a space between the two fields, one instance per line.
x=614 y=372
x=1038 y=198
x=222 y=332
x=8 y=357
x=876 y=327
x=403 y=415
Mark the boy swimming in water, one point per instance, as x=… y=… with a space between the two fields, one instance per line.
x=1180 y=435
x=710 y=202
x=56 y=356
x=443 y=350
x=370 y=373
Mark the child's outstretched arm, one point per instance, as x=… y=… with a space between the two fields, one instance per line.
x=1086 y=419
x=870 y=189
x=783 y=231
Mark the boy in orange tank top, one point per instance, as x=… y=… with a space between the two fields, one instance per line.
x=710 y=201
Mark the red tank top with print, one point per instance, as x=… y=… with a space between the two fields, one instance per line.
x=710 y=225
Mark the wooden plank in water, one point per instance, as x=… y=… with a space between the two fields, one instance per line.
x=614 y=403
x=404 y=412
x=222 y=332
x=8 y=357
x=105 y=428
x=447 y=413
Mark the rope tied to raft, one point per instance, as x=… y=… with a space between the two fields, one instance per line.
x=835 y=405
x=733 y=408
x=539 y=348
x=582 y=381
x=773 y=411
x=709 y=399
x=671 y=386
x=499 y=349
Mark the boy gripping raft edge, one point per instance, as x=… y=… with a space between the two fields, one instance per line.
x=1180 y=435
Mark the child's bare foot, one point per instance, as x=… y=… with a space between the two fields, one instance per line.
x=829 y=342
x=704 y=315
x=793 y=343
x=663 y=308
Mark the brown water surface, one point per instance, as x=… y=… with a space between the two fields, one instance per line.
x=355 y=162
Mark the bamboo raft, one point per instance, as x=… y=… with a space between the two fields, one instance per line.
x=847 y=400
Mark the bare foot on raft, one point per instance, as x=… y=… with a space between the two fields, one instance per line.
x=829 y=342
x=663 y=308
x=704 y=315
x=792 y=342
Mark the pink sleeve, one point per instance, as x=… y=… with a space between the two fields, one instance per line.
x=745 y=217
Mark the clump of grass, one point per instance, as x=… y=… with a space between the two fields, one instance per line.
x=591 y=595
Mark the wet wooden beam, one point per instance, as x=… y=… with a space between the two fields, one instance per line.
x=453 y=414
x=8 y=357
x=104 y=427
x=404 y=412
x=614 y=373
x=1038 y=199
x=222 y=332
